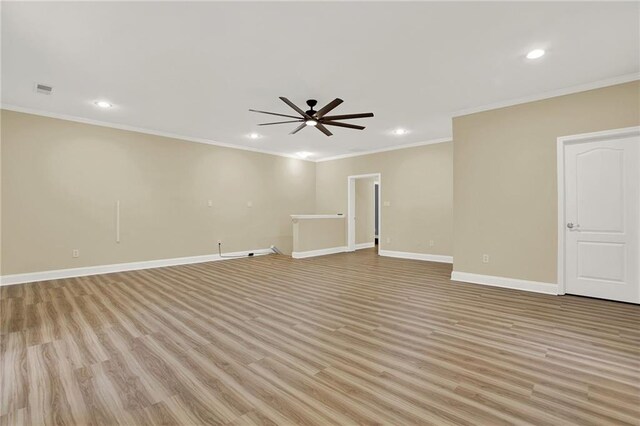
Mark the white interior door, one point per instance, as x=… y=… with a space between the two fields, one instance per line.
x=602 y=233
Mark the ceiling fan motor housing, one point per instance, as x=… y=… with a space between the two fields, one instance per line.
x=311 y=103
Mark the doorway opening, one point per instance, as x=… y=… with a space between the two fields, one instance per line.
x=364 y=216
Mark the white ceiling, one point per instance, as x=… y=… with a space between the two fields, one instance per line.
x=194 y=69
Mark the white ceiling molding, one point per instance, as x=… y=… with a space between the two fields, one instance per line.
x=393 y=148
x=145 y=131
x=552 y=94
x=196 y=68
x=546 y=95
x=511 y=102
x=206 y=141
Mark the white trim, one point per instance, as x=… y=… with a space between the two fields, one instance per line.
x=603 y=135
x=560 y=218
x=562 y=142
x=416 y=256
x=512 y=283
x=365 y=245
x=120 y=267
x=319 y=252
x=551 y=94
x=501 y=104
x=351 y=207
x=145 y=131
x=129 y=128
x=392 y=148
x=317 y=216
x=366 y=175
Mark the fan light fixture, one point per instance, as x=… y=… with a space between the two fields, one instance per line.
x=318 y=119
x=254 y=136
x=103 y=104
x=535 y=54
x=400 y=132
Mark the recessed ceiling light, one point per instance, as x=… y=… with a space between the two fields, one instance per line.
x=103 y=104
x=303 y=154
x=535 y=54
x=400 y=132
x=254 y=136
x=311 y=122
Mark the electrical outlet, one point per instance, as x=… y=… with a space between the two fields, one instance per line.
x=485 y=258
x=75 y=253
x=388 y=240
x=430 y=243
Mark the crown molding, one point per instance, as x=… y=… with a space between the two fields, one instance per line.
x=391 y=148
x=501 y=104
x=129 y=128
x=551 y=94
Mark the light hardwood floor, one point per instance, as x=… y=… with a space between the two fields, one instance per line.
x=341 y=339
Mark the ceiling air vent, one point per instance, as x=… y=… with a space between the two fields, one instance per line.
x=44 y=89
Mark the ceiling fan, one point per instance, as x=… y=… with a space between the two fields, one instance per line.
x=317 y=119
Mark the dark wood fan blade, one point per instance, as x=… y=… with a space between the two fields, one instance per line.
x=323 y=129
x=348 y=126
x=273 y=113
x=280 y=122
x=300 y=127
x=328 y=107
x=348 y=116
x=292 y=105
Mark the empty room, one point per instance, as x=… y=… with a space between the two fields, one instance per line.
x=320 y=213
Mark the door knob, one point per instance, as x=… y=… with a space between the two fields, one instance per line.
x=570 y=225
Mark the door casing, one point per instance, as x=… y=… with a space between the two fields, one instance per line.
x=351 y=208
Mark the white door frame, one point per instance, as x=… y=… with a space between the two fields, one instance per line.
x=562 y=143
x=351 y=208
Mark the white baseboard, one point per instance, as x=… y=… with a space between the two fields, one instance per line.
x=417 y=256
x=513 y=283
x=320 y=252
x=365 y=245
x=120 y=267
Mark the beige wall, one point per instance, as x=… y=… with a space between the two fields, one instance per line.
x=61 y=180
x=365 y=212
x=317 y=234
x=418 y=184
x=505 y=193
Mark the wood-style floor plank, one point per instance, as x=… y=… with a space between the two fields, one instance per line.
x=343 y=339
